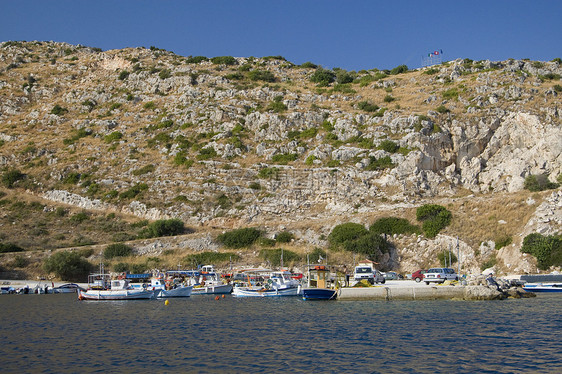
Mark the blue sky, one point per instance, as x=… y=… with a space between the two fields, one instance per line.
x=350 y=34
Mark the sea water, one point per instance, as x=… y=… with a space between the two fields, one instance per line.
x=58 y=333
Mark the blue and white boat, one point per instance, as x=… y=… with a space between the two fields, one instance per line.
x=319 y=285
x=543 y=287
x=279 y=283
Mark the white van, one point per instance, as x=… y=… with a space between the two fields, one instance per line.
x=365 y=272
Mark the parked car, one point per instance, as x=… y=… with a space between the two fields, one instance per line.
x=439 y=275
x=369 y=274
x=390 y=275
x=418 y=275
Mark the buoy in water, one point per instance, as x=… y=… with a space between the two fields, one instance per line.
x=166 y=302
x=216 y=297
x=223 y=296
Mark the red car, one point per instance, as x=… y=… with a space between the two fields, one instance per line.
x=418 y=275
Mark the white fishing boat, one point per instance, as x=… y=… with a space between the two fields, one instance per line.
x=279 y=283
x=210 y=283
x=102 y=287
x=169 y=288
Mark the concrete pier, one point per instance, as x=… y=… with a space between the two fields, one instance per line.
x=402 y=293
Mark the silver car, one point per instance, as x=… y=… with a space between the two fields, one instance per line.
x=440 y=275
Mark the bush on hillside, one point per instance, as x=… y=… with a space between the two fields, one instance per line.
x=10 y=177
x=393 y=225
x=389 y=146
x=239 y=238
x=117 y=250
x=163 y=227
x=224 y=60
x=323 y=77
x=540 y=182
x=318 y=255
x=284 y=237
x=434 y=218
x=69 y=266
x=399 y=69
x=371 y=245
x=10 y=247
x=546 y=249
x=261 y=75
x=346 y=232
x=196 y=59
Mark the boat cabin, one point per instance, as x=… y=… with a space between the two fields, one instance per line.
x=319 y=277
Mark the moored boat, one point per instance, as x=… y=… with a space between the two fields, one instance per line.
x=278 y=284
x=102 y=287
x=319 y=287
x=543 y=287
x=210 y=283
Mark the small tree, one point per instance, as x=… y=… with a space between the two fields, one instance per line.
x=164 y=227
x=434 y=218
x=239 y=238
x=117 y=250
x=346 y=232
x=68 y=266
x=10 y=177
x=323 y=77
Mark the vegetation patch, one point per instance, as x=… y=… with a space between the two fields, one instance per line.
x=68 y=266
x=434 y=217
x=546 y=249
x=273 y=256
x=240 y=238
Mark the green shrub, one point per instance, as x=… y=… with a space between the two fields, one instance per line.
x=10 y=247
x=308 y=65
x=273 y=256
x=196 y=59
x=121 y=267
x=165 y=74
x=123 y=75
x=346 y=232
x=318 y=255
x=207 y=153
x=239 y=238
x=431 y=71
x=442 y=109
x=268 y=173
x=284 y=237
x=367 y=106
x=393 y=225
x=79 y=217
x=538 y=182
x=399 y=69
x=164 y=227
x=380 y=163
x=69 y=266
x=134 y=191
x=267 y=242
x=149 y=105
x=546 y=249
x=255 y=186
x=224 y=60
x=113 y=137
x=434 y=218
x=503 y=241
x=261 y=75
x=206 y=258
x=19 y=262
x=277 y=105
x=451 y=94
x=389 y=99
x=284 y=158
x=371 y=245
x=323 y=77
x=557 y=88
x=344 y=77
x=389 y=146
x=58 y=110
x=10 y=177
x=117 y=250
x=72 y=178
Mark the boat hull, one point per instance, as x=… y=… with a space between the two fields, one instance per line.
x=319 y=294
x=116 y=294
x=212 y=290
x=262 y=292
x=184 y=291
x=557 y=287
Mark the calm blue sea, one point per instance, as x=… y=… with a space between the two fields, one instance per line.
x=58 y=333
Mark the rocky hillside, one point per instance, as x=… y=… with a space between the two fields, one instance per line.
x=232 y=142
